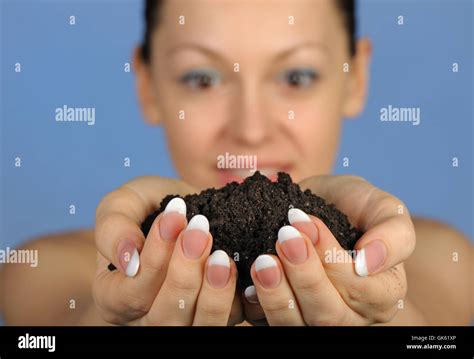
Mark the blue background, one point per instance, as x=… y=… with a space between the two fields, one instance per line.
x=82 y=65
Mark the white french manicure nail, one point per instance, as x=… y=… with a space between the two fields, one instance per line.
x=296 y=215
x=251 y=294
x=219 y=258
x=264 y=261
x=177 y=204
x=361 y=264
x=199 y=222
x=288 y=232
x=132 y=267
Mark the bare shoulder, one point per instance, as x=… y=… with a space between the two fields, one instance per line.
x=440 y=273
x=55 y=290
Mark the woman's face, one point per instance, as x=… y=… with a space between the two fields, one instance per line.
x=251 y=78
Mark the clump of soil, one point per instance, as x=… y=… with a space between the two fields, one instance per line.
x=245 y=218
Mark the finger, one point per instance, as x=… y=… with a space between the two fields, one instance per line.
x=375 y=296
x=120 y=239
x=254 y=312
x=175 y=303
x=129 y=298
x=236 y=312
x=372 y=297
x=389 y=236
x=158 y=248
x=119 y=216
x=384 y=246
x=301 y=221
x=160 y=243
x=335 y=259
x=320 y=302
x=217 y=292
x=350 y=194
x=274 y=292
x=116 y=299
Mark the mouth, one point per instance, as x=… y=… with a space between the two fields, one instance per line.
x=238 y=175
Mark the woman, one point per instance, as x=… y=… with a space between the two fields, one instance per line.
x=273 y=80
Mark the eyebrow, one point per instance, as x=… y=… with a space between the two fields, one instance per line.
x=281 y=54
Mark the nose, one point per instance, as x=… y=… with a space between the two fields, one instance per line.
x=250 y=123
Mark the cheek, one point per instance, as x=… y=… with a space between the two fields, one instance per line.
x=322 y=119
x=192 y=128
x=315 y=131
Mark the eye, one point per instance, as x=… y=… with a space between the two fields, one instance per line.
x=299 y=77
x=200 y=79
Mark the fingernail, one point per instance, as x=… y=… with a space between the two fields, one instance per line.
x=370 y=258
x=292 y=244
x=174 y=216
x=267 y=270
x=303 y=223
x=218 y=271
x=251 y=294
x=177 y=204
x=195 y=236
x=129 y=258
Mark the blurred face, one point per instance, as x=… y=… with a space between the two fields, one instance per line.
x=262 y=79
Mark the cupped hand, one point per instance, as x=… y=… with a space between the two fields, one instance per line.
x=313 y=281
x=169 y=278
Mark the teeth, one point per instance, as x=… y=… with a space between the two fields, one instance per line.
x=268 y=171
x=243 y=172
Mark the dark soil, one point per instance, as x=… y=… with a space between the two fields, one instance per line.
x=245 y=218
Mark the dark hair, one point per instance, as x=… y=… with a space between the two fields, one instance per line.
x=348 y=8
x=152 y=14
